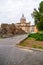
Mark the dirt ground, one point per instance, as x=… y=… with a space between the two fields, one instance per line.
x=31 y=42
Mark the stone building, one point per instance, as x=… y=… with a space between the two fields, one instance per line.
x=23 y=24
x=18 y=28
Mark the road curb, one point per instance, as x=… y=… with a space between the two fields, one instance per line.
x=28 y=48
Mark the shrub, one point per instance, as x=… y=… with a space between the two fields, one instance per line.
x=37 y=36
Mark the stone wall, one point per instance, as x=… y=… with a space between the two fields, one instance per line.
x=10 y=29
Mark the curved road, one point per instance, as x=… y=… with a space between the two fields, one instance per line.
x=12 y=55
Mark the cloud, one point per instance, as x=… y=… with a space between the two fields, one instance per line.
x=11 y=10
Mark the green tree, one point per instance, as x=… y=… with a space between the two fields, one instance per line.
x=38 y=16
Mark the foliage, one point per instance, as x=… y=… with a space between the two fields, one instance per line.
x=38 y=16
x=37 y=36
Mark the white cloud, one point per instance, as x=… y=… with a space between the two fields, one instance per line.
x=11 y=10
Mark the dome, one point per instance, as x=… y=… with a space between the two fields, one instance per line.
x=23 y=19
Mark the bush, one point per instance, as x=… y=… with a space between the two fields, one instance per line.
x=37 y=36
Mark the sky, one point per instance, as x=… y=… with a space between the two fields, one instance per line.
x=12 y=10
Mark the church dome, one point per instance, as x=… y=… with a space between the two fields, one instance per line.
x=23 y=19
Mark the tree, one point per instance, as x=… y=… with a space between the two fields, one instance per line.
x=38 y=16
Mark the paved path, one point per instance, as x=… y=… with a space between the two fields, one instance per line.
x=13 y=40
x=12 y=55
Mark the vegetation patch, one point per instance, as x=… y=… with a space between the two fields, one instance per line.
x=1 y=36
x=34 y=46
x=36 y=36
x=40 y=47
x=33 y=41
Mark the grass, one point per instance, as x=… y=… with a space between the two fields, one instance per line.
x=34 y=46
x=30 y=38
x=1 y=36
x=40 y=47
x=34 y=40
x=23 y=44
x=41 y=31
